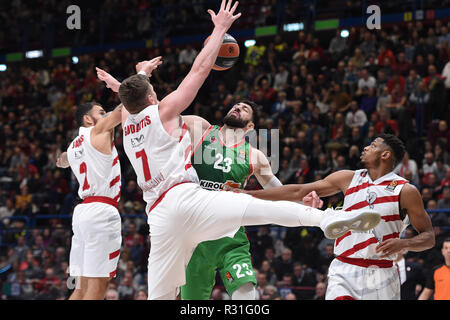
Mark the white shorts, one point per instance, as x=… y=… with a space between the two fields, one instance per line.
x=96 y=240
x=186 y=216
x=347 y=281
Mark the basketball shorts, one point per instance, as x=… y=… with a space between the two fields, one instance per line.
x=185 y=216
x=352 y=282
x=230 y=256
x=96 y=240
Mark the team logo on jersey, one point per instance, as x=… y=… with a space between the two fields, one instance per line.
x=231 y=184
x=136 y=142
x=213 y=185
x=363 y=174
x=213 y=139
x=229 y=277
x=79 y=154
x=392 y=185
x=371 y=197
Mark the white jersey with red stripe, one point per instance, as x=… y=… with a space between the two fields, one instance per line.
x=97 y=173
x=160 y=160
x=381 y=195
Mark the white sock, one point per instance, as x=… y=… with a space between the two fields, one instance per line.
x=245 y=292
x=283 y=213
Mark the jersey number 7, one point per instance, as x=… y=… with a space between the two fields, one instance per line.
x=141 y=154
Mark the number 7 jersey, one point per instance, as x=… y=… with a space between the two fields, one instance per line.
x=160 y=160
x=97 y=173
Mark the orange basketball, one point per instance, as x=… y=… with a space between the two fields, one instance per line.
x=228 y=53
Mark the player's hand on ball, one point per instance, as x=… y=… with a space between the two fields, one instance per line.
x=225 y=18
x=149 y=66
x=110 y=81
x=312 y=200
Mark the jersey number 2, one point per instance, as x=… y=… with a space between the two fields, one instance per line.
x=141 y=154
x=83 y=169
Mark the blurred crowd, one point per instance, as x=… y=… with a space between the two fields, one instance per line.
x=327 y=96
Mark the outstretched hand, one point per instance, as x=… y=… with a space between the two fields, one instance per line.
x=312 y=200
x=110 y=81
x=225 y=18
x=149 y=66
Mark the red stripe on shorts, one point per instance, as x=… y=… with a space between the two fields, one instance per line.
x=114 y=254
x=113 y=274
x=114 y=181
x=163 y=195
x=344 y=298
x=366 y=262
x=101 y=199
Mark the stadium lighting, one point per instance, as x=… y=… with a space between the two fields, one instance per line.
x=75 y=60
x=249 y=43
x=3 y=67
x=293 y=27
x=34 y=54
x=345 y=33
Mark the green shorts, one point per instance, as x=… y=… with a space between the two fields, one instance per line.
x=230 y=256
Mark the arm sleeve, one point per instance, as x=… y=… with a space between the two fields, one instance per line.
x=272 y=183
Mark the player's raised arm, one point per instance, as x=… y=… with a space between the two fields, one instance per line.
x=176 y=102
x=109 y=121
x=143 y=67
x=332 y=184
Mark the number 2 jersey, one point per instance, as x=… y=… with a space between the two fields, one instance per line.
x=97 y=173
x=160 y=160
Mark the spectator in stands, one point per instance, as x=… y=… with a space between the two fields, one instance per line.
x=320 y=291
x=408 y=164
x=187 y=55
x=355 y=117
x=112 y=294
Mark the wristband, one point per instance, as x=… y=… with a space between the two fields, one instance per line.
x=143 y=73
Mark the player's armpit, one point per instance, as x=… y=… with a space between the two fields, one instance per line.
x=197 y=127
x=411 y=200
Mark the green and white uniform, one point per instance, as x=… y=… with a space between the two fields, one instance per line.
x=218 y=166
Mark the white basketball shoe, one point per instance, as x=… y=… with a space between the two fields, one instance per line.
x=338 y=222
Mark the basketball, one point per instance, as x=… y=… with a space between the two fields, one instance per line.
x=228 y=53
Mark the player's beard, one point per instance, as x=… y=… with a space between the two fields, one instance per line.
x=233 y=122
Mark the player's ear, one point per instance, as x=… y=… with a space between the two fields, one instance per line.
x=87 y=120
x=150 y=100
x=250 y=126
x=386 y=154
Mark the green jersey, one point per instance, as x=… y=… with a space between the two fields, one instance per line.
x=218 y=166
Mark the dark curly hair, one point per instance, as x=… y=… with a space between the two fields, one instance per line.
x=396 y=145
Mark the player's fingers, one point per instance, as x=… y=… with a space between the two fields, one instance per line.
x=211 y=13
x=234 y=7
x=227 y=8
x=236 y=16
x=222 y=5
